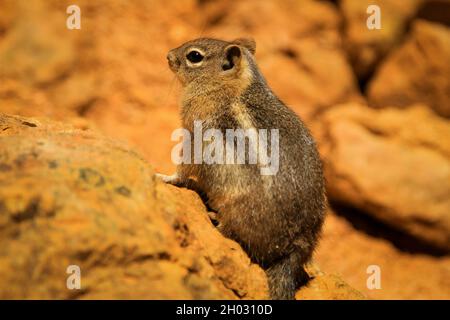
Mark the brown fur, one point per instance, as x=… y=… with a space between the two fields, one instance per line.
x=276 y=219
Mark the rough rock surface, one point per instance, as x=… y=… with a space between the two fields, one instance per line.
x=367 y=47
x=348 y=248
x=417 y=72
x=327 y=287
x=392 y=164
x=72 y=197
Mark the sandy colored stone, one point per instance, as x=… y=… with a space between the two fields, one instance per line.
x=349 y=246
x=366 y=48
x=25 y=54
x=392 y=164
x=71 y=197
x=416 y=72
x=326 y=287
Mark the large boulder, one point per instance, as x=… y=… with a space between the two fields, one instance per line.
x=392 y=164
x=70 y=197
x=350 y=245
x=416 y=72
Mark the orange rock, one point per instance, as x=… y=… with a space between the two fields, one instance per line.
x=350 y=244
x=417 y=72
x=326 y=287
x=392 y=164
x=70 y=197
x=367 y=47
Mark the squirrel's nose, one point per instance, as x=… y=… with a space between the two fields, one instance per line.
x=173 y=61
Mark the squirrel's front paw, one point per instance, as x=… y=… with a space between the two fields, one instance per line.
x=213 y=217
x=173 y=179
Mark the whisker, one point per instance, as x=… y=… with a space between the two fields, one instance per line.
x=171 y=87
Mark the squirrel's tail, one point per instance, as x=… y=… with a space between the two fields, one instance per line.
x=285 y=276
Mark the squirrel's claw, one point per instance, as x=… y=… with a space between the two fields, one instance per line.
x=173 y=179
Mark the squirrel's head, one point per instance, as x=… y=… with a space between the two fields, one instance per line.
x=210 y=61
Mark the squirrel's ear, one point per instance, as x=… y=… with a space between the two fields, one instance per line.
x=233 y=56
x=248 y=43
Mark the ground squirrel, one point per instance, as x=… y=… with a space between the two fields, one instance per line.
x=275 y=218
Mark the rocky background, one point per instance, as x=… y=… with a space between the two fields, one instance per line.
x=87 y=117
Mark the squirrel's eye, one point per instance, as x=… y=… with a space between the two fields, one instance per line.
x=194 y=56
